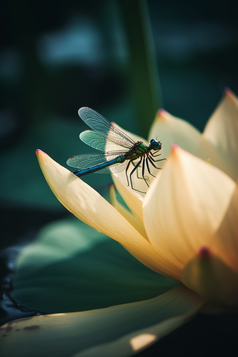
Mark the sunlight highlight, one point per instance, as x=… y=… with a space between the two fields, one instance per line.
x=142 y=341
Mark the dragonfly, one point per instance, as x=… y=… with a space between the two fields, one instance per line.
x=118 y=150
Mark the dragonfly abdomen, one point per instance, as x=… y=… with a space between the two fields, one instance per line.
x=94 y=168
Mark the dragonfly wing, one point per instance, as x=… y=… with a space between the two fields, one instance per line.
x=102 y=126
x=116 y=168
x=99 y=142
x=87 y=160
x=112 y=169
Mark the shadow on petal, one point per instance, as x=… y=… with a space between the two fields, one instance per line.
x=212 y=279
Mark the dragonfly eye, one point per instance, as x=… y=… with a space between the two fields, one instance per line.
x=155 y=144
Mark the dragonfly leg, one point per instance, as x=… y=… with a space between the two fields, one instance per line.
x=127 y=167
x=143 y=171
x=137 y=171
x=155 y=154
x=152 y=163
x=158 y=160
x=152 y=158
x=148 y=168
x=132 y=172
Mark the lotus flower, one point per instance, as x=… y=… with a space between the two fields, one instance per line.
x=185 y=227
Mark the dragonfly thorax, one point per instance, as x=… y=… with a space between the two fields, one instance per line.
x=155 y=145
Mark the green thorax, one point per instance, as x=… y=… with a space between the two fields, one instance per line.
x=137 y=150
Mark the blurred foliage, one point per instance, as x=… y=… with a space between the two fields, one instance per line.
x=90 y=272
x=142 y=61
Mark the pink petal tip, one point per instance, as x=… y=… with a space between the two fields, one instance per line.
x=162 y=113
x=174 y=147
x=204 y=252
x=228 y=92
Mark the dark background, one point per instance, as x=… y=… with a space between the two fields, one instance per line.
x=57 y=56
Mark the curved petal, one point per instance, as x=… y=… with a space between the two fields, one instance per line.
x=87 y=205
x=67 y=334
x=225 y=239
x=212 y=279
x=170 y=130
x=222 y=131
x=130 y=217
x=71 y=260
x=208 y=152
x=185 y=206
x=133 y=200
x=174 y=130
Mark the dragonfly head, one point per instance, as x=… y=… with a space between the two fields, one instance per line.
x=155 y=145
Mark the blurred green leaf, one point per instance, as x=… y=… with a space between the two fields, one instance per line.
x=143 y=68
x=71 y=267
x=115 y=331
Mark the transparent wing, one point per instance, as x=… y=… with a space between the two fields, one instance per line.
x=113 y=168
x=99 y=142
x=87 y=160
x=100 y=125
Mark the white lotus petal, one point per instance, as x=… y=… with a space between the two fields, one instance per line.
x=185 y=207
x=170 y=129
x=133 y=200
x=224 y=242
x=222 y=131
x=208 y=152
x=134 y=221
